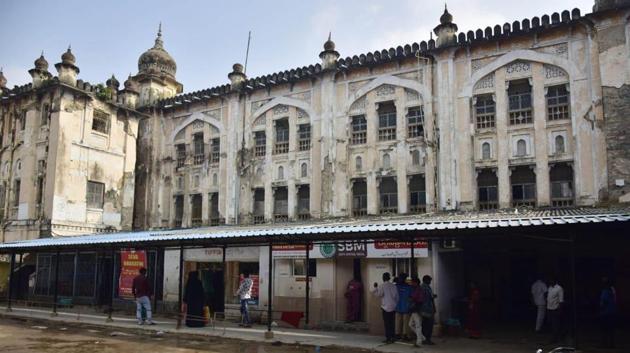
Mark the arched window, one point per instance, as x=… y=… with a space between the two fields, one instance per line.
x=521 y=148
x=485 y=150
x=415 y=157
x=386 y=161
x=304 y=170
x=559 y=144
x=215 y=179
x=358 y=163
x=280 y=172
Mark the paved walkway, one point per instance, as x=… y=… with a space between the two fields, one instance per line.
x=314 y=338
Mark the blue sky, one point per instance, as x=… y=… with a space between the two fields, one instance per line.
x=207 y=37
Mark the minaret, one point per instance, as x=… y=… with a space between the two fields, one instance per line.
x=67 y=69
x=237 y=77
x=329 y=56
x=40 y=72
x=446 y=31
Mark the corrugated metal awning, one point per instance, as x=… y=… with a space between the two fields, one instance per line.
x=441 y=224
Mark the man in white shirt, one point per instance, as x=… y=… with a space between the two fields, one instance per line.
x=389 y=299
x=555 y=300
x=539 y=292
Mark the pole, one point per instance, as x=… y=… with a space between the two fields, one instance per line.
x=412 y=265
x=269 y=287
x=223 y=272
x=111 y=296
x=11 y=281
x=308 y=294
x=180 y=288
x=19 y=278
x=574 y=294
x=56 y=288
x=155 y=272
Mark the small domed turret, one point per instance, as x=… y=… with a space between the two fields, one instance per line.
x=41 y=63
x=446 y=31
x=157 y=60
x=329 y=56
x=237 y=76
x=112 y=83
x=68 y=58
x=67 y=69
x=131 y=85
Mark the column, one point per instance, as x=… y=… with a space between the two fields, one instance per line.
x=180 y=286
x=205 y=206
x=503 y=143
x=402 y=152
x=292 y=197
x=373 y=197
x=539 y=145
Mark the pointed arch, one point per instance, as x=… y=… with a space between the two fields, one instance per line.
x=196 y=116
x=282 y=101
x=388 y=80
x=523 y=54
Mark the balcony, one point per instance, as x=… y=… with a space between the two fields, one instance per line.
x=387 y=134
x=358 y=138
x=260 y=150
x=198 y=159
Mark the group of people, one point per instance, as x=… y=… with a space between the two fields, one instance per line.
x=407 y=306
x=194 y=305
x=549 y=302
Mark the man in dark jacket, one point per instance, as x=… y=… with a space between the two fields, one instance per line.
x=142 y=292
x=427 y=310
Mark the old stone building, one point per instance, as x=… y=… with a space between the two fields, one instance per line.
x=529 y=115
x=68 y=154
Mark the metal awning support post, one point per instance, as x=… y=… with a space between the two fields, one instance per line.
x=269 y=334
x=573 y=294
x=308 y=287
x=56 y=286
x=180 y=288
x=412 y=265
x=155 y=272
x=11 y=281
x=111 y=295
x=223 y=273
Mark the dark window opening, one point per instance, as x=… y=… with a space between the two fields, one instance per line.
x=520 y=102
x=487 y=186
x=359 y=198
x=523 y=181
x=386 y=121
x=417 y=194
x=388 y=190
x=359 y=130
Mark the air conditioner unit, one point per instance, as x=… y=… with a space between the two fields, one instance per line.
x=450 y=244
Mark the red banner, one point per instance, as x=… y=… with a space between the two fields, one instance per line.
x=130 y=264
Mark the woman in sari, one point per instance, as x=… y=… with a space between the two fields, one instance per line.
x=194 y=301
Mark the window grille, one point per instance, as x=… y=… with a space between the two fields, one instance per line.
x=198 y=147
x=417 y=195
x=304 y=206
x=485 y=112
x=561 y=177
x=359 y=198
x=180 y=154
x=282 y=137
x=304 y=137
x=520 y=103
x=415 y=122
x=260 y=144
x=215 y=150
x=388 y=196
x=95 y=194
x=359 y=130
x=100 y=122
x=557 y=103
x=487 y=186
x=387 y=122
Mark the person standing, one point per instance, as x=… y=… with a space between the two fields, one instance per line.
x=244 y=293
x=555 y=300
x=539 y=292
x=194 y=300
x=427 y=310
x=608 y=313
x=141 y=290
x=415 y=305
x=473 y=318
x=389 y=298
x=353 y=297
x=402 y=308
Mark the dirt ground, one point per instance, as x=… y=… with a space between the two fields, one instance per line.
x=22 y=336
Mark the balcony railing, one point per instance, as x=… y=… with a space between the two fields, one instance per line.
x=260 y=150
x=561 y=202
x=524 y=203
x=281 y=148
x=196 y=222
x=418 y=209
x=304 y=144
x=215 y=157
x=387 y=133
x=198 y=159
x=280 y=218
x=258 y=219
x=359 y=138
